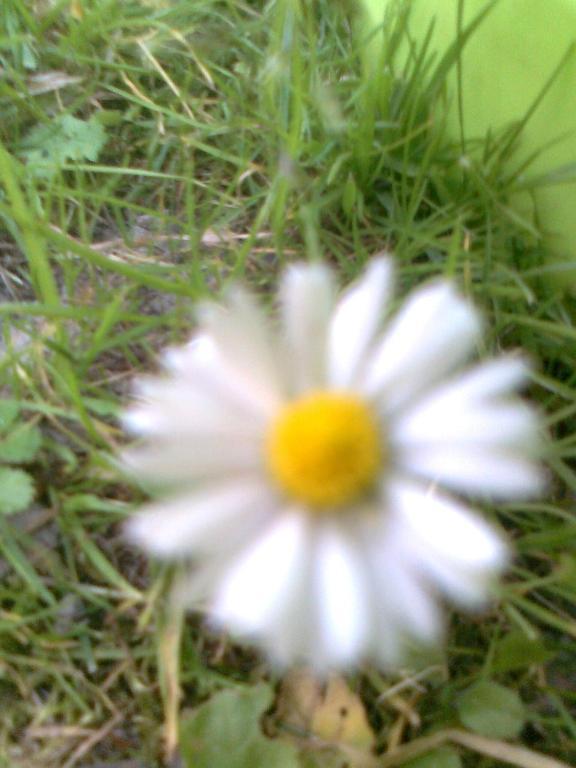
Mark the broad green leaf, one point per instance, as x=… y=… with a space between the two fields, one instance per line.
x=21 y=444
x=491 y=710
x=48 y=147
x=444 y=757
x=516 y=651
x=9 y=410
x=225 y=732
x=16 y=490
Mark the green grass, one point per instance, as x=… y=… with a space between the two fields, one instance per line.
x=239 y=136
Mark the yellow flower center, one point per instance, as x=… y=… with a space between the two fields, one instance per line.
x=325 y=449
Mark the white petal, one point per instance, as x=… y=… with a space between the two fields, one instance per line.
x=187 y=460
x=432 y=333
x=256 y=586
x=200 y=364
x=450 y=529
x=240 y=333
x=190 y=359
x=356 y=321
x=482 y=383
x=201 y=521
x=177 y=408
x=293 y=636
x=475 y=471
x=467 y=588
x=447 y=542
x=307 y=296
x=404 y=605
x=493 y=426
x=342 y=606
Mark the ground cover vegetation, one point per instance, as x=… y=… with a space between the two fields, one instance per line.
x=151 y=152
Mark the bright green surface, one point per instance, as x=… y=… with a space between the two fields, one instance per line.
x=505 y=67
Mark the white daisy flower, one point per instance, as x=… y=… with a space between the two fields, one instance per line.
x=315 y=464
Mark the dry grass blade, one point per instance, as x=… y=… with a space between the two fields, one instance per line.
x=521 y=757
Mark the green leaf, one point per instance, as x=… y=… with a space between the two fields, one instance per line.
x=48 y=147
x=225 y=733
x=16 y=490
x=444 y=757
x=492 y=710
x=21 y=444
x=9 y=410
x=322 y=758
x=516 y=651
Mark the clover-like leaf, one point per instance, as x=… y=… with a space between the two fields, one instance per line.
x=20 y=444
x=492 y=710
x=8 y=412
x=16 y=490
x=225 y=732
x=50 y=146
x=516 y=651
